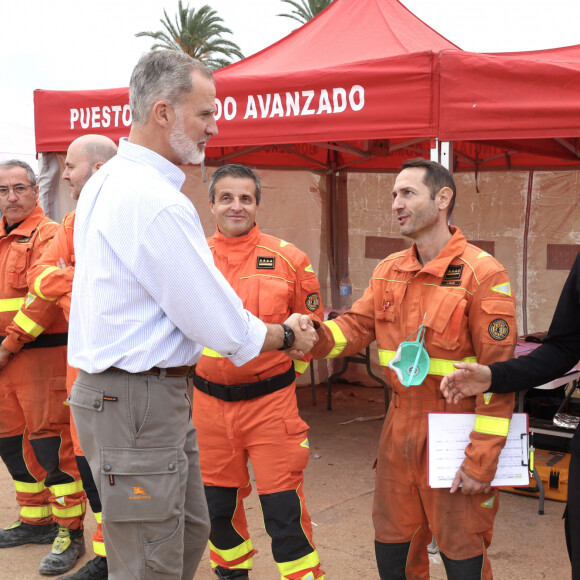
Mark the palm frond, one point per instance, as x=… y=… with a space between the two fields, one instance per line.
x=198 y=33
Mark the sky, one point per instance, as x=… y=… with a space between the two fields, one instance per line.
x=91 y=44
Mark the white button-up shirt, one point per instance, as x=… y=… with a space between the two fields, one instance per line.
x=146 y=291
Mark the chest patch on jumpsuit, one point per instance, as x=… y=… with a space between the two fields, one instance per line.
x=453 y=275
x=265 y=262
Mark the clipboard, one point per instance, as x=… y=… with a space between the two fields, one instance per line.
x=448 y=436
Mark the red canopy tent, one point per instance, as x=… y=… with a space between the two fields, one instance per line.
x=364 y=85
x=359 y=74
x=523 y=104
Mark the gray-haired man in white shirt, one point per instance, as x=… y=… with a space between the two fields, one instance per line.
x=146 y=299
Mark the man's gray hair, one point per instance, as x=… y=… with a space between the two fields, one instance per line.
x=239 y=172
x=161 y=75
x=10 y=163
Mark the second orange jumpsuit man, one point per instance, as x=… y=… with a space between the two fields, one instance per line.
x=458 y=298
x=51 y=279
x=250 y=412
x=32 y=385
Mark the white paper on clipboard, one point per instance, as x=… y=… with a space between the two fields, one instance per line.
x=449 y=436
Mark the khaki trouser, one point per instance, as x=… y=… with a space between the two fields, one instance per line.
x=138 y=437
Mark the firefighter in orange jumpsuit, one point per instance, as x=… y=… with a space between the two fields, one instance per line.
x=51 y=279
x=35 y=439
x=250 y=412
x=459 y=298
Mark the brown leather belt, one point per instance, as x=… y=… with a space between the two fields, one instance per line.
x=161 y=372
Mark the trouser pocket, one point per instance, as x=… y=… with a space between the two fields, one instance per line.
x=142 y=484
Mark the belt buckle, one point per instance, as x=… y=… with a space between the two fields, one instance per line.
x=237 y=393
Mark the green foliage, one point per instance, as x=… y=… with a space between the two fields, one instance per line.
x=199 y=34
x=305 y=10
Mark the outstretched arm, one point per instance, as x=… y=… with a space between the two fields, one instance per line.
x=470 y=379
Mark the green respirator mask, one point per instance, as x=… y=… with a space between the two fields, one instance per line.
x=411 y=361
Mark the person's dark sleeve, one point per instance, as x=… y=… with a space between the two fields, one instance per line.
x=559 y=352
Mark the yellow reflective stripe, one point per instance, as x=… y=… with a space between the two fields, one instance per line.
x=99 y=549
x=47 y=271
x=28 y=325
x=24 y=487
x=98 y=517
x=437 y=366
x=35 y=512
x=309 y=268
x=300 y=366
x=66 y=488
x=11 y=304
x=339 y=339
x=492 y=425
x=232 y=554
x=309 y=561
x=442 y=367
x=71 y=512
x=210 y=352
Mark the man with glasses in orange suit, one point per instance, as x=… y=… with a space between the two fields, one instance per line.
x=35 y=442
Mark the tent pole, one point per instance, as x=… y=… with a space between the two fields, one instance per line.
x=435 y=150
x=527 y=217
x=332 y=235
x=446 y=155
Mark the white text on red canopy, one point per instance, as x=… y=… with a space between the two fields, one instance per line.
x=288 y=104
x=96 y=117
x=294 y=104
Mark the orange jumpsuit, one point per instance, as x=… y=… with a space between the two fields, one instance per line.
x=35 y=439
x=463 y=298
x=49 y=282
x=274 y=279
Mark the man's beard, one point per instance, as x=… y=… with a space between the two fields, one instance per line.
x=186 y=149
x=76 y=190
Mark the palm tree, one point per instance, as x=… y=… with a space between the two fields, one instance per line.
x=198 y=33
x=306 y=10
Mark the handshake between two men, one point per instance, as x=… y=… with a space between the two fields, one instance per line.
x=296 y=336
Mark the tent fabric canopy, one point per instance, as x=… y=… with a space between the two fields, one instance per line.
x=510 y=95
x=365 y=85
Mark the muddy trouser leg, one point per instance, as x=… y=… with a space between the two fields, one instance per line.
x=138 y=438
x=392 y=560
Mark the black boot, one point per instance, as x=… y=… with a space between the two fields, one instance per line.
x=67 y=548
x=468 y=569
x=20 y=533
x=226 y=574
x=95 y=569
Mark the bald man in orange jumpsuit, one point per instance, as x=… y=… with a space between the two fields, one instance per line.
x=250 y=412
x=51 y=279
